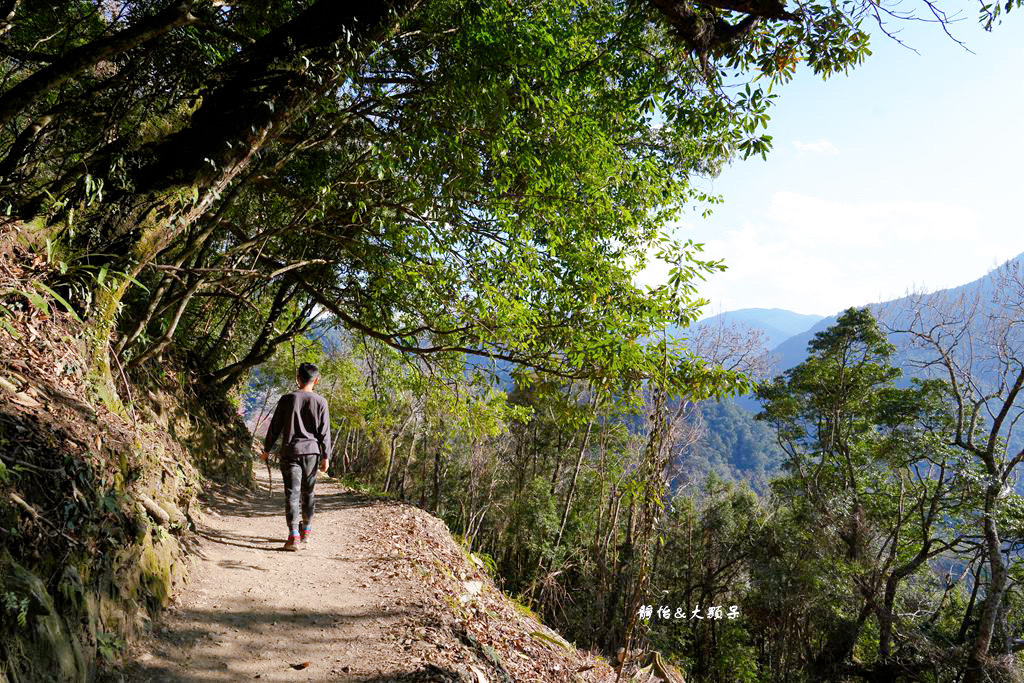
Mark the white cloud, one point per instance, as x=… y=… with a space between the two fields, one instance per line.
x=813 y=255
x=821 y=146
x=819 y=223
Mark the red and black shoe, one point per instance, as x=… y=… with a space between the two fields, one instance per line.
x=291 y=545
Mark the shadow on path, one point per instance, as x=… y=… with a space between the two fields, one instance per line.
x=268 y=644
x=424 y=674
x=260 y=503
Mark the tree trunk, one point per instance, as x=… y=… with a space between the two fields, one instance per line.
x=395 y=438
x=620 y=582
x=994 y=593
x=613 y=521
x=353 y=435
x=8 y=8
x=195 y=243
x=437 y=476
x=558 y=461
x=354 y=454
x=423 y=480
x=408 y=461
x=165 y=340
x=264 y=345
x=969 y=611
x=572 y=485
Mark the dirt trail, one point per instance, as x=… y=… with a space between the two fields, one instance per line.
x=251 y=611
x=381 y=593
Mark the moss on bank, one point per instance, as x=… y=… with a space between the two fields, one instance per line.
x=98 y=499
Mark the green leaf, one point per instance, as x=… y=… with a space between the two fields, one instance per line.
x=61 y=300
x=38 y=301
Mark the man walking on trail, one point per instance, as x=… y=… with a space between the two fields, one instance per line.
x=304 y=425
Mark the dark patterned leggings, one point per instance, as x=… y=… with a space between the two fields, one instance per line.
x=299 y=473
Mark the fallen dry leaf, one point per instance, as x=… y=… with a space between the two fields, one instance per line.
x=23 y=399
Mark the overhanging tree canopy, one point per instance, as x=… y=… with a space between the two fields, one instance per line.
x=442 y=175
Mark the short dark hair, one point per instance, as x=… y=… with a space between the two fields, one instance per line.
x=306 y=373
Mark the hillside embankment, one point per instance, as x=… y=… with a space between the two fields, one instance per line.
x=98 y=486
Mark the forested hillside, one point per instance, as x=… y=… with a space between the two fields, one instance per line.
x=725 y=438
x=198 y=195
x=968 y=316
x=732 y=444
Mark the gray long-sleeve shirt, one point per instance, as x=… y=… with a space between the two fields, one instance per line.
x=303 y=423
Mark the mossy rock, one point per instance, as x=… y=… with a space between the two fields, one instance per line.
x=161 y=568
x=45 y=643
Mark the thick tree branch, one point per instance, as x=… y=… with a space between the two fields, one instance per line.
x=20 y=96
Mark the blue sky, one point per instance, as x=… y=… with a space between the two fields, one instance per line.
x=903 y=175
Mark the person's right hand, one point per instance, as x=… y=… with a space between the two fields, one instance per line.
x=264 y=455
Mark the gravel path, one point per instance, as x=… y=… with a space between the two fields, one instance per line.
x=251 y=611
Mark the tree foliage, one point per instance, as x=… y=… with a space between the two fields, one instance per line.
x=444 y=175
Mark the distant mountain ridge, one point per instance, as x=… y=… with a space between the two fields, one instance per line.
x=793 y=350
x=735 y=446
x=777 y=324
